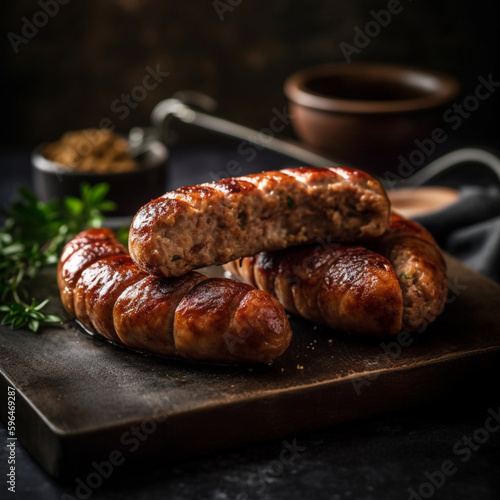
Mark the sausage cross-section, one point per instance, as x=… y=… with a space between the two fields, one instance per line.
x=190 y=317
x=217 y=222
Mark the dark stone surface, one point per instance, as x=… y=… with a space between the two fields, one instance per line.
x=374 y=459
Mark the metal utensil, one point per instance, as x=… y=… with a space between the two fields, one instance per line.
x=192 y=107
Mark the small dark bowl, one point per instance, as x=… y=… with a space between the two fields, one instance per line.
x=367 y=114
x=129 y=190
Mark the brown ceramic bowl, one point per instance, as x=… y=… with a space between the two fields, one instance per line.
x=367 y=114
x=129 y=190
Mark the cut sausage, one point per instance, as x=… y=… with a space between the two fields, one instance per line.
x=215 y=223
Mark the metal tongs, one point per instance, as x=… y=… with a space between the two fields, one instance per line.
x=195 y=108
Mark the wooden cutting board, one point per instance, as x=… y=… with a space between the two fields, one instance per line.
x=81 y=401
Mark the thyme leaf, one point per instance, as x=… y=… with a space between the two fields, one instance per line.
x=32 y=238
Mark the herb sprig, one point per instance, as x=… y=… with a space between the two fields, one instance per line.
x=33 y=237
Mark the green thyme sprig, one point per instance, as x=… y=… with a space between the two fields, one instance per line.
x=33 y=237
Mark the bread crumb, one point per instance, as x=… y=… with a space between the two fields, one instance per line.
x=300 y=367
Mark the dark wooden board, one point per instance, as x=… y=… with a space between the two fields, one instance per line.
x=79 y=398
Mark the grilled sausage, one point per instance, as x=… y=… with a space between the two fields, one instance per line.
x=78 y=254
x=399 y=283
x=347 y=288
x=190 y=317
x=215 y=223
x=420 y=267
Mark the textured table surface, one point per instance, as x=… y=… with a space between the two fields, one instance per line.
x=381 y=457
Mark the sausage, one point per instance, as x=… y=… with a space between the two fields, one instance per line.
x=420 y=267
x=79 y=253
x=189 y=317
x=98 y=289
x=345 y=287
x=214 y=223
x=394 y=282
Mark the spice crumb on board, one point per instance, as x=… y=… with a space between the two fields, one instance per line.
x=300 y=367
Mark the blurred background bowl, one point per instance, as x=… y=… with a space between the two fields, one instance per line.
x=129 y=190
x=367 y=114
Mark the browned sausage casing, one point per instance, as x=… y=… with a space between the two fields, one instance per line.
x=214 y=223
x=347 y=288
x=190 y=317
x=420 y=267
x=399 y=283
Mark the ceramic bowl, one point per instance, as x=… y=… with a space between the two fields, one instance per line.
x=367 y=114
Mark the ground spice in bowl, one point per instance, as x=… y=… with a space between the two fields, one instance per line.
x=91 y=150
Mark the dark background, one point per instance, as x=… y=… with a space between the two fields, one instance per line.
x=92 y=51
x=68 y=75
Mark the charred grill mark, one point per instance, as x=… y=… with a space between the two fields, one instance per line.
x=197 y=248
